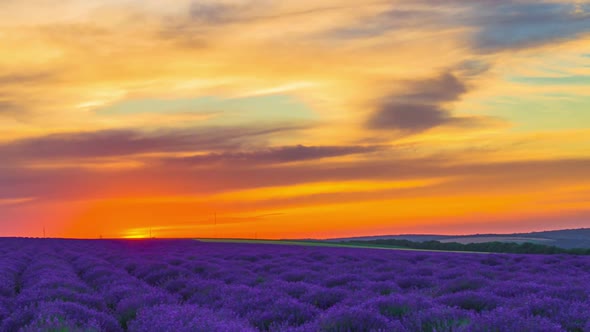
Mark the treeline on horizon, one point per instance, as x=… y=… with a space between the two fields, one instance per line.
x=494 y=247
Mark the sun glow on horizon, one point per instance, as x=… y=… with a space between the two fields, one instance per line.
x=136 y=233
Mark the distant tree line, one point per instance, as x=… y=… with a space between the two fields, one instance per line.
x=497 y=247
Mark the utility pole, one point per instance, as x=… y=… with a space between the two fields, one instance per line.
x=43 y=231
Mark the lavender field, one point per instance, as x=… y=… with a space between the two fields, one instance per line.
x=186 y=285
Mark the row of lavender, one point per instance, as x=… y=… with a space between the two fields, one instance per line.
x=184 y=285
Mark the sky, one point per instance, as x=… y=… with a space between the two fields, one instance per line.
x=293 y=119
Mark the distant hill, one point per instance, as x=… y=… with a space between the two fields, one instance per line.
x=565 y=238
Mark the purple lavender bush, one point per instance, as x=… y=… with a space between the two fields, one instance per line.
x=186 y=318
x=186 y=285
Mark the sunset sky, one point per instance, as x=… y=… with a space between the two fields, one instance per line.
x=292 y=119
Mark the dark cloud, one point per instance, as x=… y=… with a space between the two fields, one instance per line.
x=421 y=107
x=110 y=143
x=408 y=117
x=525 y=24
x=443 y=88
x=496 y=25
x=276 y=155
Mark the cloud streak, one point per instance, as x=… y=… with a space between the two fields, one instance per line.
x=125 y=142
x=276 y=155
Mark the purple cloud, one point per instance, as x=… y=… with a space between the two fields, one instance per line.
x=422 y=107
